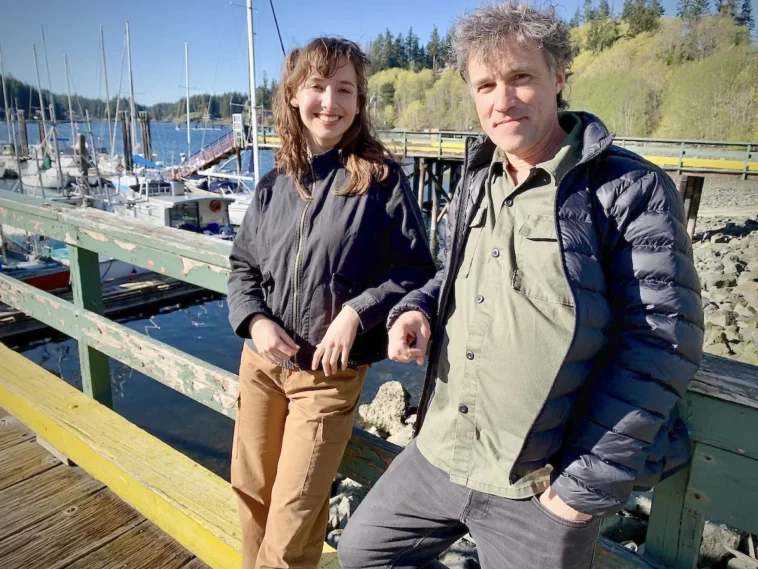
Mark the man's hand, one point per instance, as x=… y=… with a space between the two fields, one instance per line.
x=337 y=342
x=408 y=337
x=271 y=341
x=556 y=505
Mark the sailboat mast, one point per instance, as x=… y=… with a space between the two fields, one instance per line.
x=132 y=111
x=107 y=95
x=42 y=135
x=186 y=84
x=70 y=108
x=5 y=100
x=11 y=128
x=253 y=106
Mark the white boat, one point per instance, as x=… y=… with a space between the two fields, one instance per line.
x=50 y=180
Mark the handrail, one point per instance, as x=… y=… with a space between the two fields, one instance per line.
x=721 y=406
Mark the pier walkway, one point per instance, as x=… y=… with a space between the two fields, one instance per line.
x=55 y=515
x=195 y=507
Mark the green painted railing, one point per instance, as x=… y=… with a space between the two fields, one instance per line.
x=721 y=406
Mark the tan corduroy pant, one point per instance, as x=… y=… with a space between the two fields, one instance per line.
x=291 y=432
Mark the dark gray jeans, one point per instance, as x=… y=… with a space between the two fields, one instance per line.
x=414 y=513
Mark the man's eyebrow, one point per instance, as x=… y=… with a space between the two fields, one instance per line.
x=347 y=83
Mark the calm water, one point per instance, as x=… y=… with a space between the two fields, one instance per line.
x=199 y=329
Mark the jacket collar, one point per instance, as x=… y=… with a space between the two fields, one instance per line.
x=595 y=140
x=325 y=163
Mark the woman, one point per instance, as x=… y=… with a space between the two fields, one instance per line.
x=332 y=240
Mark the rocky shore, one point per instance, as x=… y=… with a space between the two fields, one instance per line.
x=725 y=251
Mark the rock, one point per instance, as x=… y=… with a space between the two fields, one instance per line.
x=461 y=555
x=347 y=497
x=388 y=409
x=714 y=335
x=732 y=334
x=715 y=536
x=718 y=350
x=333 y=537
x=748 y=353
x=714 y=279
x=746 y=277
x=749 y=289
x=722 y=318
x=622 y=528
x=737 y=563
x=639 y=503
x=402 y=437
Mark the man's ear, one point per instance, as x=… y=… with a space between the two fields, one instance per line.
x=560 y=80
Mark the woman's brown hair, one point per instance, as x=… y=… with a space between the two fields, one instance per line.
x=362 y=154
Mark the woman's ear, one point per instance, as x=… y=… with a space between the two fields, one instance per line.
x=293 y=103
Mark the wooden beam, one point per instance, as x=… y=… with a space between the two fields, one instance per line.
x=201 y=381
x=88 y=295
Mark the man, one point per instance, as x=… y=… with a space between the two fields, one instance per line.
x=566 y=324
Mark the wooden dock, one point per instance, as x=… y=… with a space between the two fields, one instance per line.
x=119 y=297
x=53 y=515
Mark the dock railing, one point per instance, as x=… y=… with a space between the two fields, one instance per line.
x=721 y=406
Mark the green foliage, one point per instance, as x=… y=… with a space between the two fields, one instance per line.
x=642 y=15
x=387 y=51
x=696 y=79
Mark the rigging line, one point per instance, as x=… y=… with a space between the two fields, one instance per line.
x=276 y=22
x=118 y=94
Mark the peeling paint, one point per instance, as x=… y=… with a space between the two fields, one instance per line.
x=150 y=264
x=3 y=211
x=70 y=239
x=95 y=235
x=125 y=245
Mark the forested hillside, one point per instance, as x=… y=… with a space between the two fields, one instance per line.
x=693 y=75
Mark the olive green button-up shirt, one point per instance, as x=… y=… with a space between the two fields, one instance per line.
x=510 y=324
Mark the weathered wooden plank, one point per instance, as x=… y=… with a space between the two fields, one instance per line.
x=188 y=502
x=195 y=564
x=723 y=486
x=143 y=547
x=88 y=295
x=722 y=423
x=610 y=555
x=23 y=461
x=13 y=432
x=203 y=382
x=730 y=380
x=35 y=499
x=674 y=532
x=367 y=457
x=70 y=534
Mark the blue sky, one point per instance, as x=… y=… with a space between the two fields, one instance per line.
x=215 y=30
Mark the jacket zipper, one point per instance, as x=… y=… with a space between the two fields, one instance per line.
x=298 y=255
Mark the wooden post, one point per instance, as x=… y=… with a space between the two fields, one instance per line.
x=674 y=532
x=126 y=140
x=691 y=190
x=435 y=208
x=42 y=132
x=748 y=155
x=88 y=294
x=83 y=162
x=420 y=179
x=24 y=134
x=429 y=181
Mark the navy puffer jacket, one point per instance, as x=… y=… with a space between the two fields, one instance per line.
x=610 y=422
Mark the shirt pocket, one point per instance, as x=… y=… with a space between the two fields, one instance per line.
x=472 y=240
x=539 y=269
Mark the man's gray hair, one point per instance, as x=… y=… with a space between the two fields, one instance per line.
x=482 y=32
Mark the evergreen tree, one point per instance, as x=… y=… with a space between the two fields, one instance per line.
x=433 y=48
x=603 y=10
x=400 y=58
x=692 y=9
x=642 y=15
x=387 y=57
x=746 y=15
x=589 y=11
x=576 y=20
x=728 y=9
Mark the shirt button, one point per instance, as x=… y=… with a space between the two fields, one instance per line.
x=470 y=355
x=463 y=409
x=495 y=253
x=479 y=299
x=509 y=202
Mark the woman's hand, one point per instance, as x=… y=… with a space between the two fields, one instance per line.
x=337 y=342
x=271 y=341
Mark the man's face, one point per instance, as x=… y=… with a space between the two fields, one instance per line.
x=515 y=96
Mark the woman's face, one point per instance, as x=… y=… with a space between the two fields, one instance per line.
x=327 y=106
